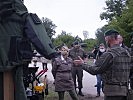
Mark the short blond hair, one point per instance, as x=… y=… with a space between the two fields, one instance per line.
x=65 y=47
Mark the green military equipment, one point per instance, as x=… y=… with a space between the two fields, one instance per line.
x=35 y=30
x=19 y=30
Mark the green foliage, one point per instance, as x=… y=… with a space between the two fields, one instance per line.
x=100 y=34
x=68 y=39
x=124 y=23
x=63 y=38
x=119 y=14
x=114 y=8
x=49 y=26
x=90 y=44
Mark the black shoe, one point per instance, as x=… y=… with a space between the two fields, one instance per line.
x=81 y=94
x=98 y=95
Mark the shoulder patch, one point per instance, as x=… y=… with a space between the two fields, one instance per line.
x=35 y=18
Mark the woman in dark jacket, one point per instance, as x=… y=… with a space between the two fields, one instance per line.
x=61 y=70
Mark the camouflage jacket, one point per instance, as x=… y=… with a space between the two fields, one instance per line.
x=114 y=66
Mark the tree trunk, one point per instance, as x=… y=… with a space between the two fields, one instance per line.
x=8 y=85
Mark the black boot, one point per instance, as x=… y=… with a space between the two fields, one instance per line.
x=98 y=95
x=76 y=91
x=80 y=93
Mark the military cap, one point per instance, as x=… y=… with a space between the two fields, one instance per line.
x=111 y=32
x=76 y=43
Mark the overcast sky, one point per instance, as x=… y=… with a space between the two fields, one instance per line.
x=72 y=16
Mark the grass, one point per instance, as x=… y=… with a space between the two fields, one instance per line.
x=54 y=96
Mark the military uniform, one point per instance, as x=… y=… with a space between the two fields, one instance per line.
x=62 y=72
x=18 y=29
x=77 y=69
x=114 y=68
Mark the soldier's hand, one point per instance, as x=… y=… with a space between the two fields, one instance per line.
x=79 y=62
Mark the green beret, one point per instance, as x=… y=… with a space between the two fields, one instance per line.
x=111 y=32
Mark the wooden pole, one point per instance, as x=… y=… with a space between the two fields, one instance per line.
x=8 y=85
x=1 y=86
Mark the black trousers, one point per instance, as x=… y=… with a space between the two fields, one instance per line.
x=44 y=65
x=131 y=83
x=115 y=98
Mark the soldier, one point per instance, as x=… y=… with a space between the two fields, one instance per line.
x=120 y=39
x=114 y=67
x=62 y=73
x=77 y=70
x=18 y=29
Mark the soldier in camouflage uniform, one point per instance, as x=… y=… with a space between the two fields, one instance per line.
x=77 y=69
x=18 y=30
x=114 y=67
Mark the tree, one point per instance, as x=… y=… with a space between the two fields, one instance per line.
x=100 y=34
x=124 y=24
x=49 y=26
x=114 y=9
x=90 y=44
x=63 y=38
x=86 y=34
x=68 y=39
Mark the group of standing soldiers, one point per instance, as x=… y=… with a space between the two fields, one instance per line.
x=67 y=73
x=19 y=29
x=114 y=66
